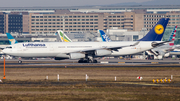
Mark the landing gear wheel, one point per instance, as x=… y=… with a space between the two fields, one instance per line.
x=19 y=61
x=90 y=61
x=80 y=61
x=94 y=61
x=85 y=61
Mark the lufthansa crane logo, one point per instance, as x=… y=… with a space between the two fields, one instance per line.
x=159 y=29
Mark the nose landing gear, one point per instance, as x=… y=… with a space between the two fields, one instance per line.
x=19 y=61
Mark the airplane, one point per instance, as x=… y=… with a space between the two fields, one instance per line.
x=88 y=51
x=155 y=51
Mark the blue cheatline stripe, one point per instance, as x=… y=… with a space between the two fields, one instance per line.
x=175 y=51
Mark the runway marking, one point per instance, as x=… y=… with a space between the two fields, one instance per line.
x=104 y=62
x=121 y=62
x=154 y=62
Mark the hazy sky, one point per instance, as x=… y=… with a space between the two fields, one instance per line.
x=32 y=3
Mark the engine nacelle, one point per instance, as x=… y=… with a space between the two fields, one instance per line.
x=61 y=57
x=102 y=52
x=76 y=55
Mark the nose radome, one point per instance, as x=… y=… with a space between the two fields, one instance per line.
x=2 y=52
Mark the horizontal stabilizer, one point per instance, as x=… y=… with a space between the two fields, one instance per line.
x=154 y=44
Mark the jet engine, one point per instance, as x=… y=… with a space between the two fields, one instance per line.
x=102 y=52
x=61 y=57
x=76 y=55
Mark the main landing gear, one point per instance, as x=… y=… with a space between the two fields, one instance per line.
x=87 y=61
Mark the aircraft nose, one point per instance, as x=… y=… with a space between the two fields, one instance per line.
x=4 y=51
x=1 y=52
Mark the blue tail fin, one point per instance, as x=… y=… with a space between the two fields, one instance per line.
x=156 y=33
x=11 y=39
x=104 y=37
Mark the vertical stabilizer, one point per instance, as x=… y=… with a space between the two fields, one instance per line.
x=156 y=33
x=63 y=36
x=11 y=39
x=104 y=37
x=172 y=36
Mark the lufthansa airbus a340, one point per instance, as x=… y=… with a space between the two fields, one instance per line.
x=87 y=51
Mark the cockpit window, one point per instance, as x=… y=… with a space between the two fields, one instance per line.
x=9 y=47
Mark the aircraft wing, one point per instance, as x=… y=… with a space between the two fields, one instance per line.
x=116 y=48
x=168 y=50
x=105 y=48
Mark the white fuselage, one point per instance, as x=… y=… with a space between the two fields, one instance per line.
x=53 y=49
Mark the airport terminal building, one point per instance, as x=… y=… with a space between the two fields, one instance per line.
x=47 y=20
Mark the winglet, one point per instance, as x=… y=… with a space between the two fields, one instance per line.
x=11 y=39
x=156 y=33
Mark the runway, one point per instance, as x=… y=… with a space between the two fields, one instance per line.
x=101 y=63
